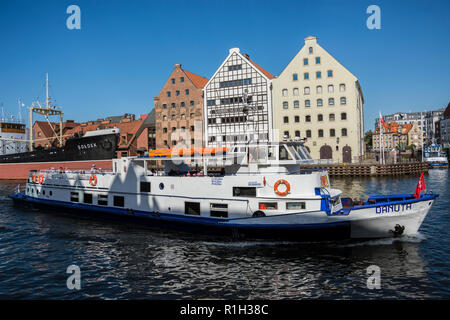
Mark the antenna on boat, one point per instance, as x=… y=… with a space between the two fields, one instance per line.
x=19 y=116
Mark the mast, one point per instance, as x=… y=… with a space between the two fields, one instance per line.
x=47 y=111
x=47 y=100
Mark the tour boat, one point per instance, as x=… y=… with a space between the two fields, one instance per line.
x=243 y=191
x=435 y=156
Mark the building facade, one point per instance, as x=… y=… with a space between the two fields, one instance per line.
x=178 y=106
x=395 y=136
x=445 y=128
x=317 y=98
x=415 y=136
x=237 y=102
x=426 y=121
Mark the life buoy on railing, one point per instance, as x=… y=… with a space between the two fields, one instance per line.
x=282 y=193
x=34 y=178
x=41 y=178
x=93 y=180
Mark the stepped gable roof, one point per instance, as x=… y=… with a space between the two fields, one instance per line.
x=197 y=80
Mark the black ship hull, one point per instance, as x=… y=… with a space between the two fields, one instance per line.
x=101 y=147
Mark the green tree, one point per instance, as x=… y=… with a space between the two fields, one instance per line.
x=368 y=139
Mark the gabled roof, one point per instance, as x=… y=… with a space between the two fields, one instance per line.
x=197 y=80
x=394 y=127
x=266 y=73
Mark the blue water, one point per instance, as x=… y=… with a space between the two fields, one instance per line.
x=129 y=261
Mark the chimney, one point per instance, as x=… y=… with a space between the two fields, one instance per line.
x=246 y=56
x=310 y=40
x=177 y=65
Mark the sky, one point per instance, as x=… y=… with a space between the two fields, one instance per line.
x=126 y=50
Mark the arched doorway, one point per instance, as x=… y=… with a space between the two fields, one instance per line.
x=326 y=152
x=347 y=154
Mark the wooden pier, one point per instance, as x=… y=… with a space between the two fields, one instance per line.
x=371 y=169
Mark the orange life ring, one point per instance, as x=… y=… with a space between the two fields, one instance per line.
x=284 y=193
x=41 y=178
x=34 y=178
x=93 y=180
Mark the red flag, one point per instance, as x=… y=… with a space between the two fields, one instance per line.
x=420 y=186
x=382 y=122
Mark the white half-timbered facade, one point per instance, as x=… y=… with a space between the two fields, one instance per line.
x=238 y=102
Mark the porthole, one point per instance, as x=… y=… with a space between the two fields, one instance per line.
x=161 y=186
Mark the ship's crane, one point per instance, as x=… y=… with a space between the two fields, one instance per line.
x=47 y=111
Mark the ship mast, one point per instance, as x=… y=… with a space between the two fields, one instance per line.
x=47 y=111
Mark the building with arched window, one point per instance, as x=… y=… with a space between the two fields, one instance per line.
x=328 y=90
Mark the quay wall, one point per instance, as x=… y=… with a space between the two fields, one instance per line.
x=371 y=169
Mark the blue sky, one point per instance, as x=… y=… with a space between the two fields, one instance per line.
x=126 y=50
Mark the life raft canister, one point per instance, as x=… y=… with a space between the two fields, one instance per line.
x=282 y=193
x=41 y=178
x=93 y=180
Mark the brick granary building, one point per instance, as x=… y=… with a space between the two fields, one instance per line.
x=179 y=105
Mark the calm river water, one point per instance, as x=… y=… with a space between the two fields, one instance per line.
x=128 y=261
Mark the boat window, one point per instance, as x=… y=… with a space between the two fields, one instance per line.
x=74 y=196
x=87 y=198
x=284 y=154
x=293 y=151
x=257 y=154
x=102 y=200
x=295 y=205
x=119 y=201
x=219 y=210
x=51 y=193
x=192 y=208
x=145 y=186
x=43 y=192
x=304 y=154
x=268 y=206
x=244 y=192
x=272 y=155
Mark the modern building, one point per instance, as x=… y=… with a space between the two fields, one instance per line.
x=238 y=102
x=317 y=98
x=445 y=128
x=178 y=106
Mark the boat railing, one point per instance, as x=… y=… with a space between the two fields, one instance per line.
x=81 y=174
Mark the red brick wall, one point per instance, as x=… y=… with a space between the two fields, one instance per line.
x=195 y=95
